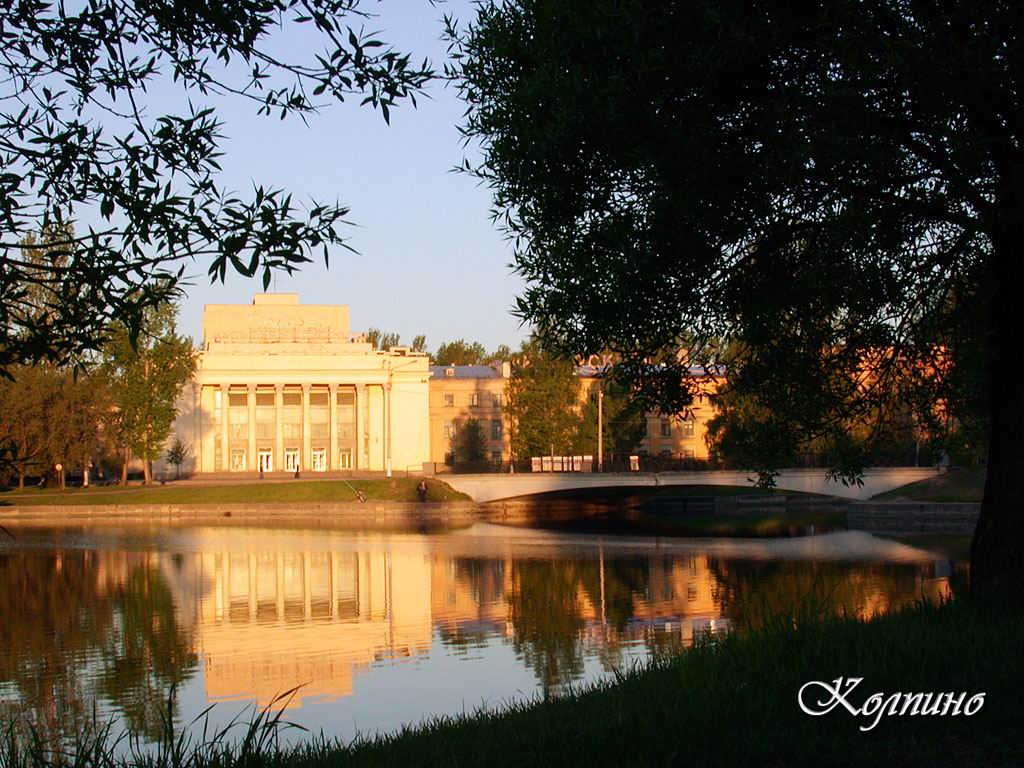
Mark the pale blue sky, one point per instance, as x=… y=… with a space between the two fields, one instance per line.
x=430 y=261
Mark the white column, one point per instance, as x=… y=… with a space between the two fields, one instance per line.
x=197 y=427
x=225 y=454
x=307 y=459
x=360 y=459
x=387 y=428
x=251 y=402
x=333 y=411
x=279 y=427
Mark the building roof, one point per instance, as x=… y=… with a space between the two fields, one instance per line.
x=583 y=371
x=465 y=372
x=596 y=371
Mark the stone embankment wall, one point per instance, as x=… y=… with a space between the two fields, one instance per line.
x=912 y=517
x=382 y=515
x=876 y=517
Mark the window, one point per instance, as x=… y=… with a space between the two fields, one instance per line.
x=496 y=457
x=688 y=428
x=449 y=429
x=346 y=415
x=497 y=400
x=474 y=399
x=496 y=429
x=345 y=458
x=237 y=460
x=449 y=372
x=666 y=428
x=265 y=429
x=449 y=401
x=689 y=455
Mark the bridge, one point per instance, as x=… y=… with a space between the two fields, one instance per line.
x=492 y=487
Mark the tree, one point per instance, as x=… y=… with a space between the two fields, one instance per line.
x=470 y=442
x=419 y=343
x=542 y=402
x=837 y=186
x=145 y=380
x=79 y=141
x=502 y=354
x=54 y=417
x=176 y=455
x=624 y=420
x=460 y=352
x=381 y=340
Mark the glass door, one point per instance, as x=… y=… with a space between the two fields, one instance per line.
x=319 y=458
x=266 y=459
x=291 y=459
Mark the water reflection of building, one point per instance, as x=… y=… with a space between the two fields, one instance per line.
x=276 y=619
x=267 y=610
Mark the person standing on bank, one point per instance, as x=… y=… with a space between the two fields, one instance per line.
x=421 y=489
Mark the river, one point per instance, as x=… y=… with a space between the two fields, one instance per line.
x=375 y=630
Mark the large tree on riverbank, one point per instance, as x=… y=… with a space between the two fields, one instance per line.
x=542 y=402
x=146 y=376
x=839 y=186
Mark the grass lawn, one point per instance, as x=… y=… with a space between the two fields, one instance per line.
x=299 y=491
x=731 y=703
x=965 y=484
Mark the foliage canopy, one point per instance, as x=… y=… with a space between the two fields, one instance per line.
x=838 y=187
x=78 y=143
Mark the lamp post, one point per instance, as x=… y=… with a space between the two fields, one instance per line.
x=600 y=425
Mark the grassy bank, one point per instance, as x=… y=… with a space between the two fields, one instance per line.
x=732 y=703
x=304 y=491
x=966 y=484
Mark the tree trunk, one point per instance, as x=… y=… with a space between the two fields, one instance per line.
x=21 y=481
x=997 y=550
x=147 y=472
x=124 y=465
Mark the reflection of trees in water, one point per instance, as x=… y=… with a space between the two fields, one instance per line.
x=69 y=637
x=752 y=592
x=52 y=615
x=145 y=654
x=551 y=601
x=546 y=616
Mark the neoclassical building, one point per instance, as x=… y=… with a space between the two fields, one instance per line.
x=282 y=386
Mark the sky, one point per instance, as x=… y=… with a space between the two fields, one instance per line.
x=429 y=258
